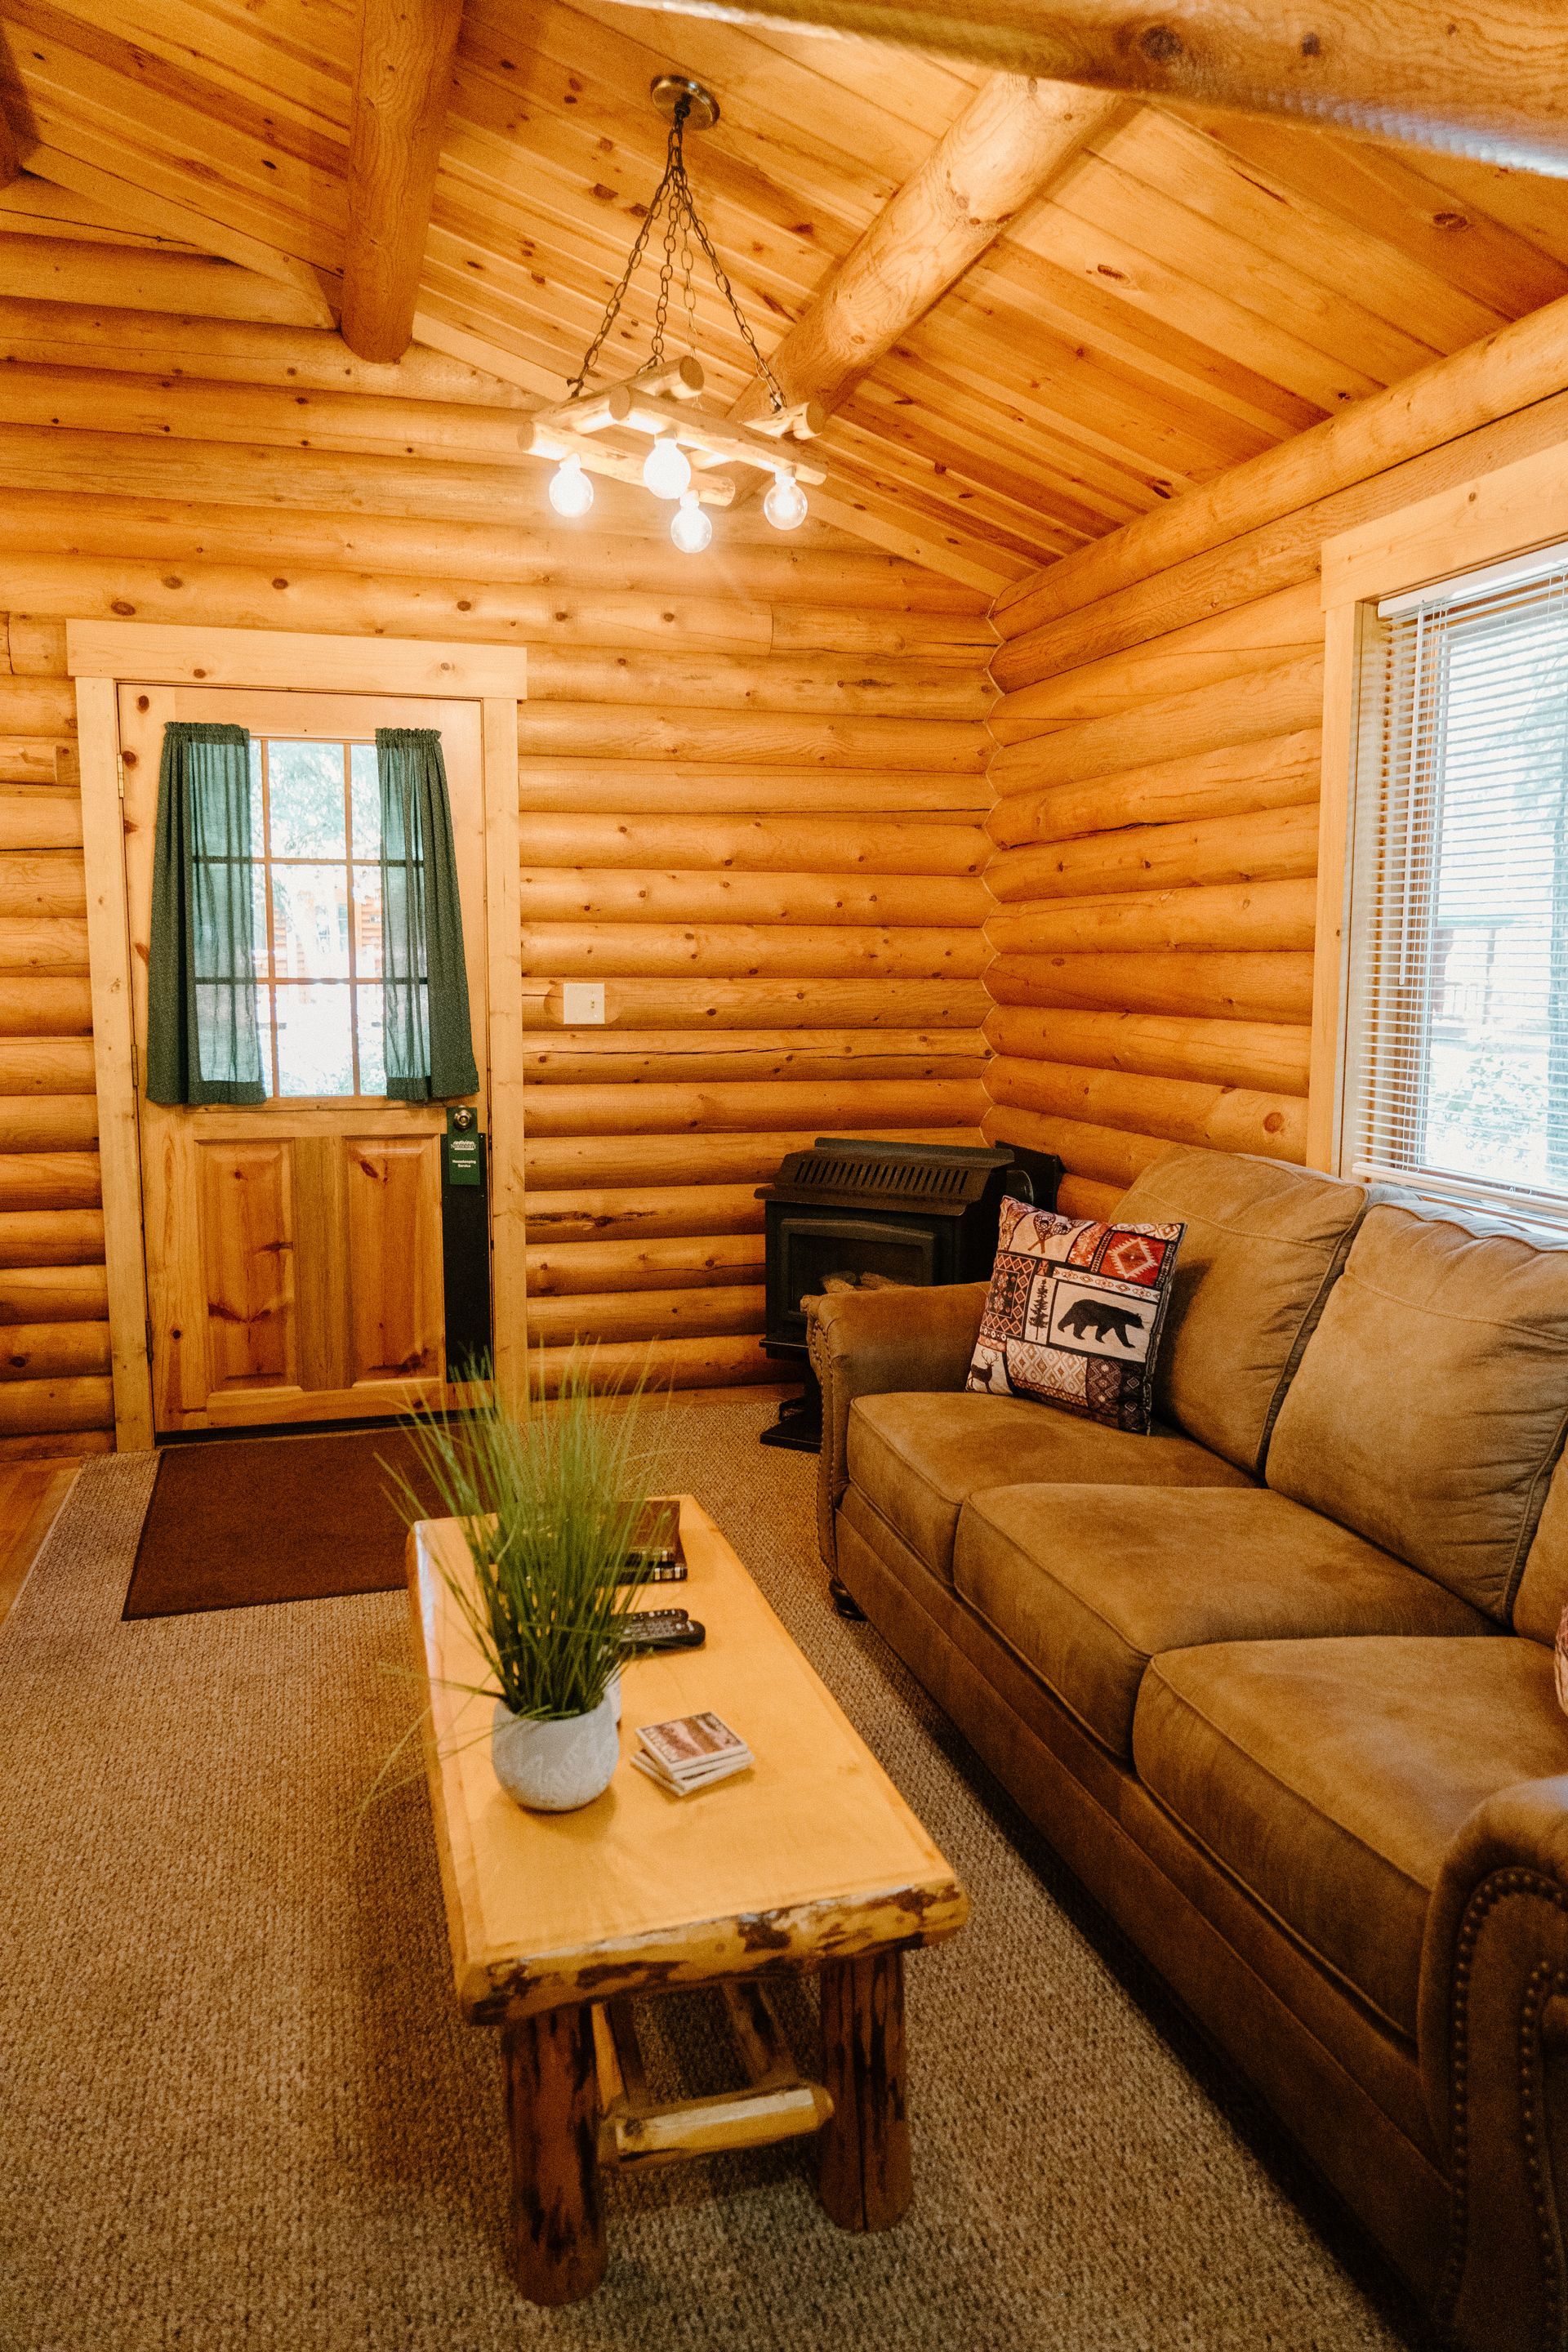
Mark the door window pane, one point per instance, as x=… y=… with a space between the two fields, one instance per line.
x=314 y=1029
x=367 y=922
x=309 y=922
x=372 y=1050
x=365 y=798
x=316 y=839
x=305 y=792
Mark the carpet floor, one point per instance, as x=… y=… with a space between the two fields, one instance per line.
x=237 y=2108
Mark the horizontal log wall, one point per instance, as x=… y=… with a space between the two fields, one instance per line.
x=778 y=964
x=55 y=1393
x=1155 y=823
x=752 y=790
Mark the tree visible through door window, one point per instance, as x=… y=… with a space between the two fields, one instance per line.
x=315 y=825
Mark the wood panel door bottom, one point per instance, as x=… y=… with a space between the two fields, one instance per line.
x=295 y=1276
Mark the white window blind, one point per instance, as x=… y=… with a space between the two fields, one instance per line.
x=1456 y=1066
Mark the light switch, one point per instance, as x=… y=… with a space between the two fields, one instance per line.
x=582 y=1004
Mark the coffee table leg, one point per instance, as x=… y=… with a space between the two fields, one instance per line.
x=552 y=2116
x=864 y=2179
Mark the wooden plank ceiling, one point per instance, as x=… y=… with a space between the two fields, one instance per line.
x=1190 y=290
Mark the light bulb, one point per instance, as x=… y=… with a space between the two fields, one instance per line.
x=666 y=471
x=784 y=505
x=689 y=526
x=570 y=490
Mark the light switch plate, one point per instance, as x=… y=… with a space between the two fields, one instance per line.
x=582 y=1004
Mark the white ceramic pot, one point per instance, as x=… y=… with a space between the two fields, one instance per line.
x=553 y=1768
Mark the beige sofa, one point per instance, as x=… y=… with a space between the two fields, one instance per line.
x=1278 y=1680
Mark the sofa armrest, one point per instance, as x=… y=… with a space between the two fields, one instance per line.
x=1494 y=2058
x=873 y=1342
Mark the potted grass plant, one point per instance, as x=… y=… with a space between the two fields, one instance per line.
x=551 y=1509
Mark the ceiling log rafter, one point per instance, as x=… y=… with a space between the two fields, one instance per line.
x=402 y=91
x=1491 y=81
x=1009 y=143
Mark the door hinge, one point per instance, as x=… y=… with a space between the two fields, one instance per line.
x=149 y=1332
x=120 y=772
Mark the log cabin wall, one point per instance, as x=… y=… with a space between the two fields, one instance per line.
x=752 y=785
x=54 y=1299
x=1159 y=741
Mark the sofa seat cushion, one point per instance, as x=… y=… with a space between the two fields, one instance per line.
x=918 y=1457
x=1331 y=1778
x=1087 y=1583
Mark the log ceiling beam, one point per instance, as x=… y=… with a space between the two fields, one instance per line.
x=1013 y=139
x=1489 y=79
x=402 y=90
x=10 y=158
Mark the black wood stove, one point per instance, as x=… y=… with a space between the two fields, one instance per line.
x=897 y=1213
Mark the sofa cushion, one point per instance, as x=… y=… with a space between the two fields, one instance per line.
x=1429 y=1407
x=1542 y=1594
x=1263 y=1246
x=1331 y=1778
x=917 y=1457
x=1087 y=1583
x=1074 y=1312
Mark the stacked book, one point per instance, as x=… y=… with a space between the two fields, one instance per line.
x=690 y=1752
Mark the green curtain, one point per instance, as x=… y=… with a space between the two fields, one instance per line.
x=204 y=1044
x=425 y=987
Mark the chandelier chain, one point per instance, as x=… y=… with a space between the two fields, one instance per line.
x=674 y=198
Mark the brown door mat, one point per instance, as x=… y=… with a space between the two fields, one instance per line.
x=235 y=1522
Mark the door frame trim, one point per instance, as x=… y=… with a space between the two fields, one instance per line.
x=103 y=656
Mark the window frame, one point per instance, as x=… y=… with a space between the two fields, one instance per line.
x=1485 y=521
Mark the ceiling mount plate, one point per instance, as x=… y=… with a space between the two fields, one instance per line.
x=667 y=90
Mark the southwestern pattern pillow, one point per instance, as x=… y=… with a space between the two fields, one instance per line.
x=1073 y=1314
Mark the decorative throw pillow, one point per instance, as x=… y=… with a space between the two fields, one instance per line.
x=1560 y=1662
x=1073 y=1314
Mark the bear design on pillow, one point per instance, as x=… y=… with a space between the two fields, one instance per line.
x=1097 y=1315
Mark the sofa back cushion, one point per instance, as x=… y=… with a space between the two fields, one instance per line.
x=1542 y=1595
x=1428 y=1410
x=1263 y=1245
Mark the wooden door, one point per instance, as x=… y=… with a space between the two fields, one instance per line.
x=294 y=1250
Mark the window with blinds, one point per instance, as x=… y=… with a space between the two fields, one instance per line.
x=1456 y=1063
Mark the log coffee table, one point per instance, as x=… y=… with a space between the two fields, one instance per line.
x=812 y=1859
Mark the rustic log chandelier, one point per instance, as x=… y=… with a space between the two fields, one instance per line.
x=660 y=400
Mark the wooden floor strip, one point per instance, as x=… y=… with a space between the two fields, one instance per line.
x=31 y=1494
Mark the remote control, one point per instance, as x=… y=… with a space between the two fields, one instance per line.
x=661 y=1629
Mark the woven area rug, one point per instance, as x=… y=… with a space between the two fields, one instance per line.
x=235 y=1521
x=238 y=2107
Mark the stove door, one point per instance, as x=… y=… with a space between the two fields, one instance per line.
x=808 y=1247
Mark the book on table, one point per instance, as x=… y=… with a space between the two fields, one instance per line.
x=690 y=1752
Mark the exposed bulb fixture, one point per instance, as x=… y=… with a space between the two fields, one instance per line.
x=784 y=505
x=571 y=489
x=689 y=526
x=666 y=470
x=589 y=430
